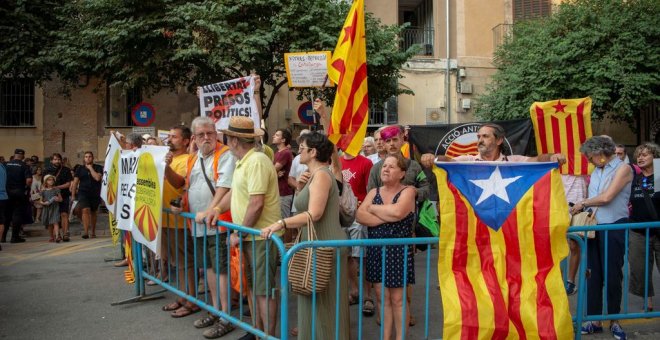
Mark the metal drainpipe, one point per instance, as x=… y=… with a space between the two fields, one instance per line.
x=447 y=74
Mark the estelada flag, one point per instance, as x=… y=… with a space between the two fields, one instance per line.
x=348 y=69
x=561 y=126
x=503 y=236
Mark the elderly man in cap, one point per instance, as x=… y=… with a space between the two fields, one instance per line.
x=19 y=179
x=255 y=203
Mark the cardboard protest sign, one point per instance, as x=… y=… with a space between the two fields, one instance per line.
x=235 y=97
x=307 y=69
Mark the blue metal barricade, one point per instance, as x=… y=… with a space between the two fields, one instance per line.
x=180 y=285
x=603 y=232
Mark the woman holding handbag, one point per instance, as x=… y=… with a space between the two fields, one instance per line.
x=319 y=200
x=609 y=191
x=645 y=204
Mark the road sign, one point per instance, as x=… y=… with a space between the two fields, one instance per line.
x=143 y=114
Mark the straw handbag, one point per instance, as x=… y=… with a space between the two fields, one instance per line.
x=585 y=218
x=301 y=275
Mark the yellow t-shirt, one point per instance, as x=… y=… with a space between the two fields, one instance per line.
x=179 y=165
x=255 y=175
x=269 y=152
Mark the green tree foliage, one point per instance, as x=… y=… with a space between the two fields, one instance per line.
x=153 y=44
x=26 y=34
x=606 y=49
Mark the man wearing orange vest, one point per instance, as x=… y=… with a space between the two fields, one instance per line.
x=208 y=178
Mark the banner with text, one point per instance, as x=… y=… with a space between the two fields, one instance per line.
x=110 y=183
x=235 y=97
x=307 y=69
x=140 y=194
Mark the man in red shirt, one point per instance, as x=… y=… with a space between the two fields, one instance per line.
x=355 y=171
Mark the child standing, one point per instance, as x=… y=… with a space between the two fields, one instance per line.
x=50 y=215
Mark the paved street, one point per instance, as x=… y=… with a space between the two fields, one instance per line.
x=64 y=291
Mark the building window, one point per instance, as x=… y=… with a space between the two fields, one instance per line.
x=531 y=9
x=119 y=104
x=17 y=102
x=385 y=113
x=419 y=15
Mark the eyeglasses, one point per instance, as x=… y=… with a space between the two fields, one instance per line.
x=209 y=134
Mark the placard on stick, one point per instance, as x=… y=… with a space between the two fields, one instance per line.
x=307 y=69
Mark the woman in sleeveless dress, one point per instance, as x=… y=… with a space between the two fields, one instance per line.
x=388 y=211
x=319 y=198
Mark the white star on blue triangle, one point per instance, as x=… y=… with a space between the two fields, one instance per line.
x=493 y=189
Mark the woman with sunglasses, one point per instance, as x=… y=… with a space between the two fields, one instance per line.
x=645 y=204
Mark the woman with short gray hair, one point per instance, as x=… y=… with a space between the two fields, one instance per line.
x=645 y=203
x=609 y=192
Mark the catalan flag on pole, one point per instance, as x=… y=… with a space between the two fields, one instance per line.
x=503 y=236
x=348 y=69
x=561 y=126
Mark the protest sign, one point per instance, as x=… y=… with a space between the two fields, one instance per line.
x=110 y=181
x=221 y=101
x=307 y=69
x=139 y=207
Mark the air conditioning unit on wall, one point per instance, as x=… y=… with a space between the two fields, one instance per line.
x=436 y=115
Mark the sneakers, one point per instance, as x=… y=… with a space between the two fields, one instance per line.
x=590 y=327
x=617 y=331
x=571 y=288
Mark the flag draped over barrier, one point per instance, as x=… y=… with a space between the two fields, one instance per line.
x=503 y=236
x=461 y=139
x=348 y=69
x=561 y=126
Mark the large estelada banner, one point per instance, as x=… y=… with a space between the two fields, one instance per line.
x=139 y=205
x=110 y=183
x=461 y=139
x=227 y=99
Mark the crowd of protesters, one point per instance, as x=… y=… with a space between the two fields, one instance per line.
x=229 y=175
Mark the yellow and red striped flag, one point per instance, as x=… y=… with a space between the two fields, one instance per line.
x=561 y=126
x=502 y=239
x=348 y=69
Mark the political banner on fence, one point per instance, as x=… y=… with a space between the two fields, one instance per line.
x=227 y=99
x=110 y=183
x=140 y=191
x=461 y=139
x=502 y=240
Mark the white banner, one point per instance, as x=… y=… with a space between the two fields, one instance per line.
x=141 y=194
x=235 y=97
x=110 y=180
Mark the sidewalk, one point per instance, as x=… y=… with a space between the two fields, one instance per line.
x=75 y=228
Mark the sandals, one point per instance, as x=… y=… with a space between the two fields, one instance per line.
x=185 y=311
x=206 y=321
x=171 y=306
x=368 y=307
x=221 y=328
x=58 y=239
x=66 y=237
x=353 y=300
x=85 y=236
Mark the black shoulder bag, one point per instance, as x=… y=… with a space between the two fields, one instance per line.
x=208 y=181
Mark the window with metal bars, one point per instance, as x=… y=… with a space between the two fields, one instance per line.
x=16 y=102
x=530 y=9
x=119 y=104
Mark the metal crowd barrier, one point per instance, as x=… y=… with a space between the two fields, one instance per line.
x=580 y=315
x=175 y=285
